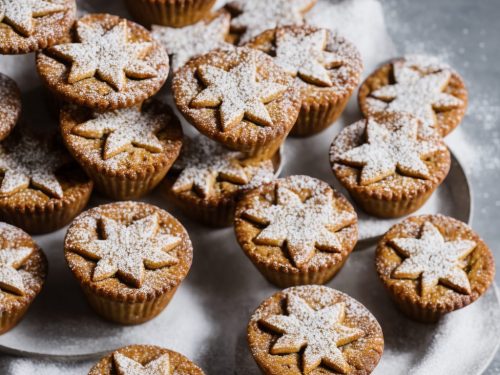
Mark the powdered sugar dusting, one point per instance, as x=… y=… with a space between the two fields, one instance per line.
x=11 y=259
x=203 y=162
x=303 y=225
x=194 y=40
x=127 y=366
x=10 y=106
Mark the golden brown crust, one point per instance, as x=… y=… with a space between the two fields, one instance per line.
x=145 y=354
x=93 y=92
x=274 y=262
x=362 y=355
x=132 y=167
x=156 y=282
x=396 y=195
x=430 y=307
x=446 y=120
x=246 y=136
x=34 y=273
x=174 y=13
x=48 y=30
x=321 y=105
x=10 y=108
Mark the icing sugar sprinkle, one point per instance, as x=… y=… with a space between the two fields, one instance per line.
x=387 y=151
x=259 y=15
x=127 y=249
x=29 y=161
x=433 y=260
x=418 y=90
x=302 y=53
x=127 y=366
x=107 y=53
x=10 y=260
x=203 y=162
x=321 y=332
x=187 y=42
x=124 y=128
x=19 y=14
x=304 y=226
x=238 y=93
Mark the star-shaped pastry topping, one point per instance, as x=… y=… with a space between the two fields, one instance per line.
x=257 y=16
x=187 y=42
x=10 y=260
x=304 y=55
x=303 y=226
x=321 y=332
x=19 y=14
x=107 y=54
x=238 y=93
x=126 y=250
x=434 y=260
x=127 y=366
x=386 y=151
x=124 y=128
x=202 y=162
x=30 y=162
x=418 y=92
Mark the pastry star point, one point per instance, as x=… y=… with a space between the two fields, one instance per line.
x=303 y=226
x=19 y=14
x=127 y=366
x=321 y=332
x=10 y=260
x=433 y=260
x=127 y=250
x=106 y=54
x=237 y=93
x=124 y=128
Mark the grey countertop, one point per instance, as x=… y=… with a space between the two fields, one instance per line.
x=467 y=34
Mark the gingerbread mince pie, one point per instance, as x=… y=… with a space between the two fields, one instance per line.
x=432 y=265
x=41 y=188
x=145 y=360
x=420 y=85
x=326 y=68
x=173 y=13
x=129 y=258
x=190 y=41
x=296 y=230
x=31 y=25
x=314 y=330
x=126 y=152
x=239 y=98
x=208 y=179
x=23 y=269
x=250 y=18
x=390 y=165
x=10 y=107
x=109 y=63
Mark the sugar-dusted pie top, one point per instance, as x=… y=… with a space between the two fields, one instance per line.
x=30 y=162
x=296 y=221
x=393 y=152
x=420 y=85
x=29 y=25
x=128 y=248
x=145 y=360
x=126 y=140
x=208 y=170
x=184 y=43
x=254 y=17
x=109 y=63
x=323 y=62
x=23 y=267
x=236 y=96
x=330 y=332
x=435 y=260
x=10 y=107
